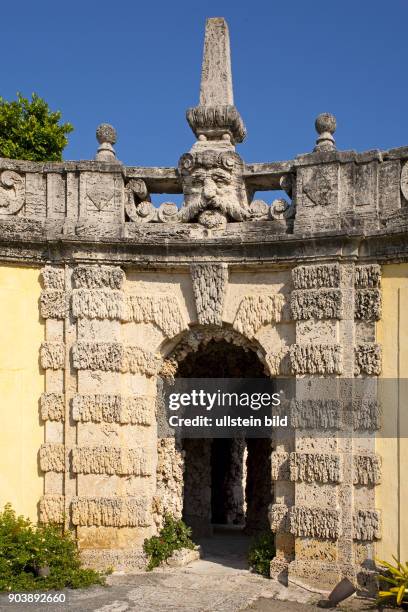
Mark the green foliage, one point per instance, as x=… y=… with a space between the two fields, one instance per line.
x=396 y=577
x=174 y=535
x=261 y=553
x=25 y=548
x=29 y=130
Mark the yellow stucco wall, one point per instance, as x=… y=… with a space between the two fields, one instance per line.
x=21 y=384
x=392 y=445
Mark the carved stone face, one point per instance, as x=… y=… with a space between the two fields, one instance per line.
x=213 y=181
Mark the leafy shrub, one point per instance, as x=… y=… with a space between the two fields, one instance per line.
x=397 y=577
x=174 y=535
x=25 y=548
x=261 y=553
x=29 y=130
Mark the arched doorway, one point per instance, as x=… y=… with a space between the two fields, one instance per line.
x=227 y=481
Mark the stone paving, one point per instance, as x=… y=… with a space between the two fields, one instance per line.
x=220 y=582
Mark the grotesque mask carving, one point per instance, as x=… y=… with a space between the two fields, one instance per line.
x=213 y=187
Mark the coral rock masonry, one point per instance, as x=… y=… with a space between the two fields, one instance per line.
x=127 y=290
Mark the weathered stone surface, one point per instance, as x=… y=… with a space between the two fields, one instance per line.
x=257 y=310
x=366 y=469
x=279 y=518
x=368 y=304
x=110 y=460
x=316 y=358
x=183 y=556
x=316 y=276
x=315 y=522
x=100 y=304
x=209 y=285
x=53 y=304
x=367 y=525
x=316 y=414
x=367 y=277
x=111 y=511
x=162 y=310
x=122 y=560
x=52 y=355
x=52 y=508
x=280 y=466
x=115 y=357
x=12 y=192
x=52 y=457
x=278 y=363
x=53 y=277
x=368 y=359
x=366 y=415
x=106 y=408
x=170 y=481
x=98 y=277
x=315 y=467
x=52 y=407
x=318 y=304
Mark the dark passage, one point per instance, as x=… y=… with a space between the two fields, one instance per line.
x=226 y=481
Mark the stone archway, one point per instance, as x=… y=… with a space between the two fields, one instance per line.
x=225 y=481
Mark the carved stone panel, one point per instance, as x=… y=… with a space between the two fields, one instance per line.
x=101 y=197
x=12 y=192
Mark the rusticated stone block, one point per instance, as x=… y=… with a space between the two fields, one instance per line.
x=366 y=415
x=317 y=304
x=53 y=304
x=100 y=304
x=279 y=518
x=162 y=310
x=112 y=409
x=109 y=460
x=316 y=358
x=52 y=457
x=255 y=311
x=367 y=276
x=98 y=277
x=53 y=278
x=52 y=407
x=52 y=509
x=209 y=286
x=368 y=359
x=52 y=355
x=316 y=276
x=123 y=560
x=278 y=363
x=367 y=525
x=315 y=467
x=316 y=414
x=110 y=511
x=368 y=304
x=280 y=466
x=115 y=357
x=366 y=469
x=321 y=523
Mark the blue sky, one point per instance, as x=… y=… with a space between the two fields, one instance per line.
x=137 y=65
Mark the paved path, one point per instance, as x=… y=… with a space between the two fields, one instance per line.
x=220 y=582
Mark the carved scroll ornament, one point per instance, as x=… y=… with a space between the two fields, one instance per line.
x=12 y=192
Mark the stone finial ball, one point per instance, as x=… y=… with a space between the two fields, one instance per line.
x=106 y=133
x=325 y=122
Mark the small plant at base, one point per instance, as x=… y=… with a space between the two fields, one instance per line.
x=397 y=581
x=174 y=535
x=24 y=549
x=261 y=553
